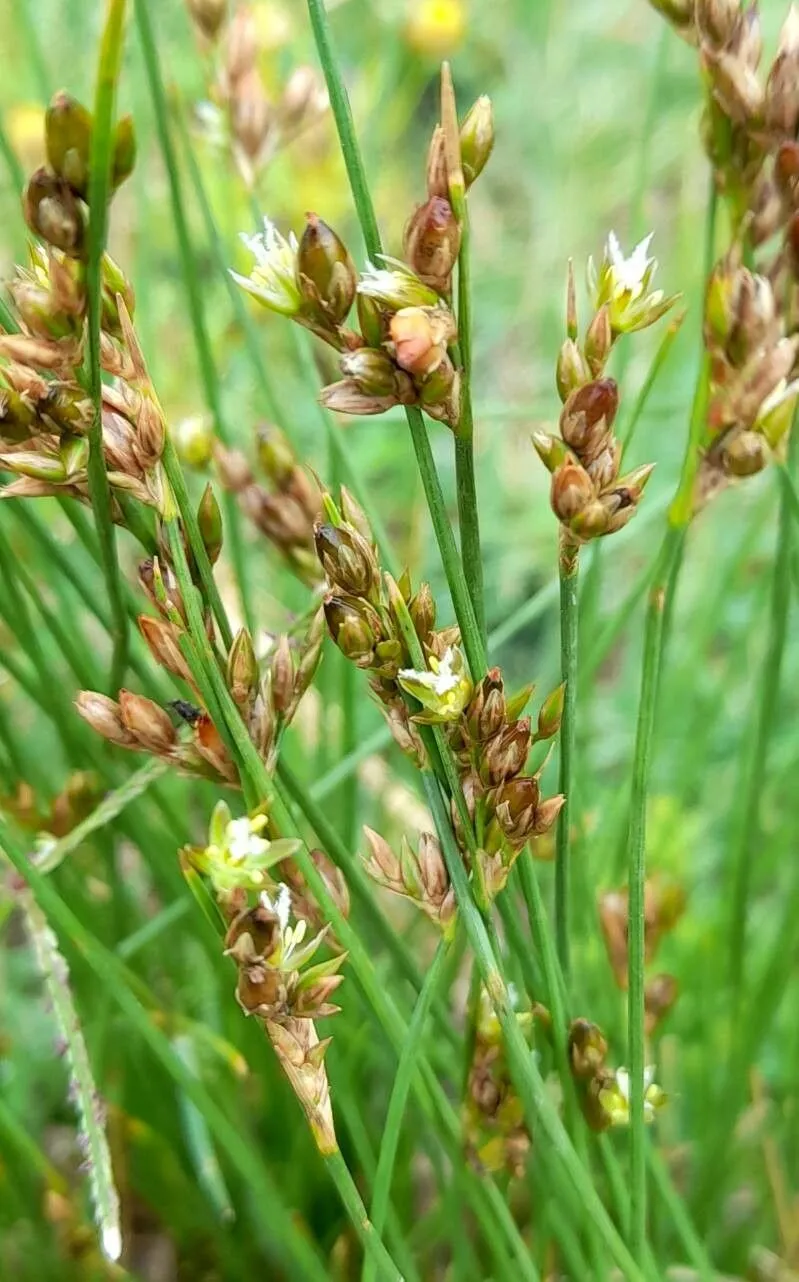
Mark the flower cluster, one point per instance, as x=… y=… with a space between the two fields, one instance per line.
x=486 y=731
x=268 y=941
x=588 y=495
x=752 y=392
x=403 y=352
x=751 y=133
x=286 y=512
x=420 y=876
x=241 y=116
x=604 y=1093
x=493 y=1114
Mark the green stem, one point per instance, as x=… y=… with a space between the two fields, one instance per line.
x=101 y=158
x=636 y=862
x=754 y=773
x=194 y=296
x=453 y=569
x=406 y=1070
x=568 y=569
x=465 y=484
x=376 y=1253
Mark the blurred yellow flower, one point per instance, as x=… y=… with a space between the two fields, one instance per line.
x=24 y=124
x=436 y=27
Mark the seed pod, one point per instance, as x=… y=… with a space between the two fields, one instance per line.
x=162 y=640
x=422 y=609
x=242 y=669
x=347 y=559
x=546 y=812
x=276 y=455
x=68 y=140
x=572 y=370
x=746 y=454
x=326 y=274
x=507 y=752
x=350 y=630
x=571 y=491
x=282 y=674
x=551 y=713
x=354 y=515
x=588 y=415
x=372 y=370
x=148 y=723
x=598 y=341
x=53 y=212
x=437 y=183
x=432 y=241
x=104 y=716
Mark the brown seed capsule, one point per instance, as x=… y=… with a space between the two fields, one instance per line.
x=242 y=669
x=282 y=672
x=52 y=211
x=347 y=559
x=325 y=272
x=351 y=630
x=746 y=454
x=587 y=409
x=485 y=715
x=432 y=241
x=546 y=812
x=588 y=1048
x=148 y=723
x=506 y=753
x=104 y=716
x=437 y=184
x=571 y=491
x=162 y=640
x=372 y=370
x=422 y=609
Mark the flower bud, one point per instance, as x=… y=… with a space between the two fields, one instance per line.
x=382 y=864
x=124 y=157
x=572 y=370
x=209 y=519
x=422 y=609
x=276 y=455
x=546 y=812
x=242 y=669
x=432 y=241
x=517 y=800
x=325 y=272
x=282 y=673
x=551 y=713
x=477 y=138
x=52 y=212
x=551 y=450
x=162 y=641
x=354 y=515
x=571 y=491
x=437 y=183
x=485 y=715
x=68 y=140
x=350 y=630
x=148 y=723
x=591 y=522
x=598 y=340
x=347 y=559
x=746 y=454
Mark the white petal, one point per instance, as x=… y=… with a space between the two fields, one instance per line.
x=623 y=1083
x=614 y=250
x=111 y=1242
x=282 y=905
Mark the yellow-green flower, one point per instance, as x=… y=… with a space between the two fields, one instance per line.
x=615 y=1097
x=273 y=279
x=622 y=285
x=237 y=856
x=443 y=690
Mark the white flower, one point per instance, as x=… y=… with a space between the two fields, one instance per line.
x=615 y=1098
x=288 y=952
x=443 y=689
x=396 y=285
x=622 y=283
x=273 y=279
x=242 y=839
x=442 y=681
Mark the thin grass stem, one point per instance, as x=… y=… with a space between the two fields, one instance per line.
x=568 y=570
x=100 y=164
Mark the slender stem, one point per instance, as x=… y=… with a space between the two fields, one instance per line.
x=406 y=1070
x=465 y=484
x=461 y=600
x=568 y=569
x=342 y=114
x=661 y=592
x=636 y=842
x=376 y=1253
x=755 y=766
x=194 y=295
x=101 y=159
